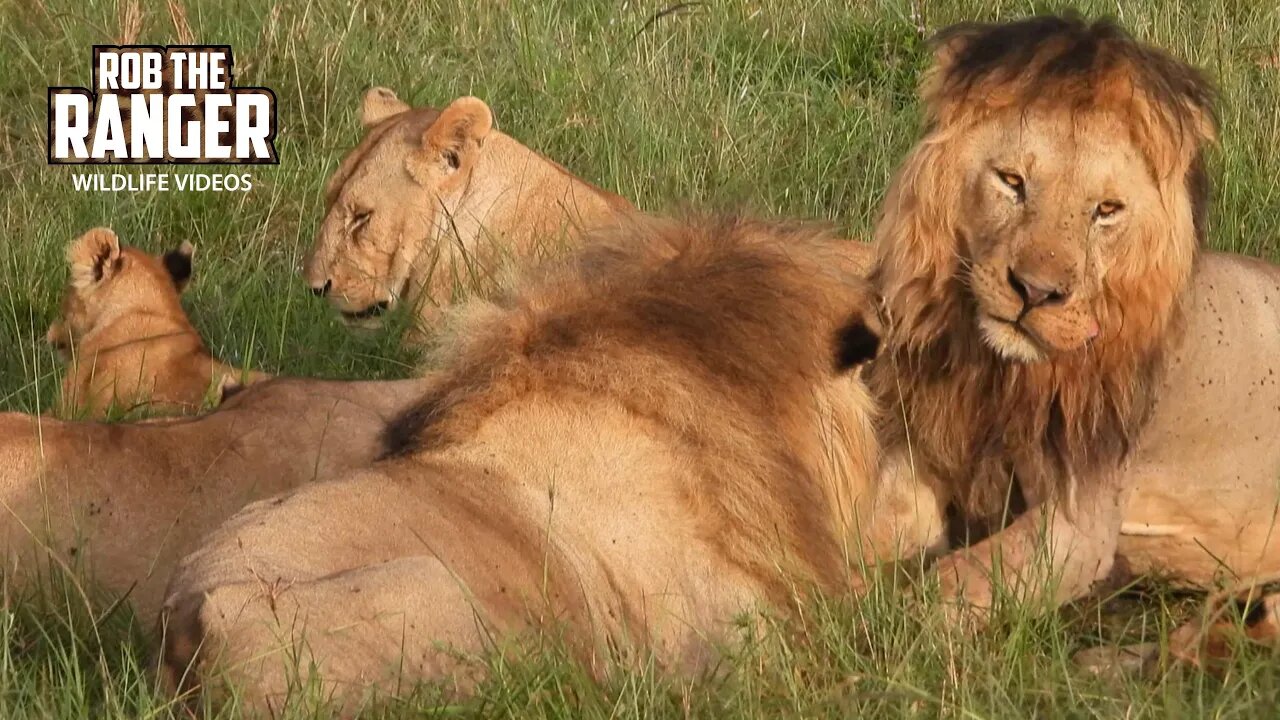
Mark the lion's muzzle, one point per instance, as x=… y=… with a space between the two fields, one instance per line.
x=1035 y=292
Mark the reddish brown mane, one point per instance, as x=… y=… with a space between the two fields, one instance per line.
x=988 y=67
x=973 y=416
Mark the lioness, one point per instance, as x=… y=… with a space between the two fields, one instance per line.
x=127 y=501
x=128 y=341
x=1055 y=336
x=432 y=202
x=657 y=437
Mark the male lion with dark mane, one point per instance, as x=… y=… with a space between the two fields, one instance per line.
x=1055 y=337
x=664 y=433
x=436 y=201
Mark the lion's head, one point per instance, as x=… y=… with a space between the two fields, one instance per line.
x=428 y=202
x=1034 y=246
x=110 y=281
x=1056 y=193
x=389 y=190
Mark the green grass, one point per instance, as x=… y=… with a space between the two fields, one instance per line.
x=782 y=107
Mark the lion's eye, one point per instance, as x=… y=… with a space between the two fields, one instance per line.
x=360 y=219
x=1107 y=209
x=1014 y=182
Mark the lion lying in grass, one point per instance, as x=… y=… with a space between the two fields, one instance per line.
x=665 y=433
x=1055 y=336
x=127 y=339
x=125 y=502
x=433 y=202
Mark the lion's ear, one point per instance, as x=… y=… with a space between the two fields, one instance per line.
x=453 y=141
x=1175 y=141
x=949 y=45
x=856 y=343
x=378 y=104
x=93 y=257
x=178 y=262
x=951 y=42
x=1199 y=99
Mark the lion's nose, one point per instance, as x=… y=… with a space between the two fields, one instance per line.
x=322 y=290
x=1034 y=292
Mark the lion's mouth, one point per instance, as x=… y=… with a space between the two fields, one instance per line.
x=370 y=312
x=1017 y=325
x=1012 y=339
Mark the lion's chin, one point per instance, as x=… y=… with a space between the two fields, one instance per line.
x=363 y=326
x=368 y=327
x=1009 y=340
x=370 y=319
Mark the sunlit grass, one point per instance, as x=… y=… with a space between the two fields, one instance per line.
x=782 y=108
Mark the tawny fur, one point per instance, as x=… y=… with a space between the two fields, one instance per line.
x=636 y=447
x=1204 y=480
x=434 y=205
x=1072 y=404
x=129 y=343
x=120 y=504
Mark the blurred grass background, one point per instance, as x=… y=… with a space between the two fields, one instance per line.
x=780 y=107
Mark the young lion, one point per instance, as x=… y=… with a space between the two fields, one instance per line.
x=128 y=341
x=436 y=201
x=665 y=433
x=125 y=502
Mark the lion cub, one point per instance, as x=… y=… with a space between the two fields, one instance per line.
x=128 y=341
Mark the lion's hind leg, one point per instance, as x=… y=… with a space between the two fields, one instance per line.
x=253 y=584
x=386 y=626
x=1248 y=613
x=371 y=582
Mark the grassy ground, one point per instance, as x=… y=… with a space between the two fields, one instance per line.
x=786 y=107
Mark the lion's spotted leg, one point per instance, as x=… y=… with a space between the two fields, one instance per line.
x=1053 y=553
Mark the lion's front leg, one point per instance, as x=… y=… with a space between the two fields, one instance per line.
x=906 y=513
x=1053 y=553
x=901 y=520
